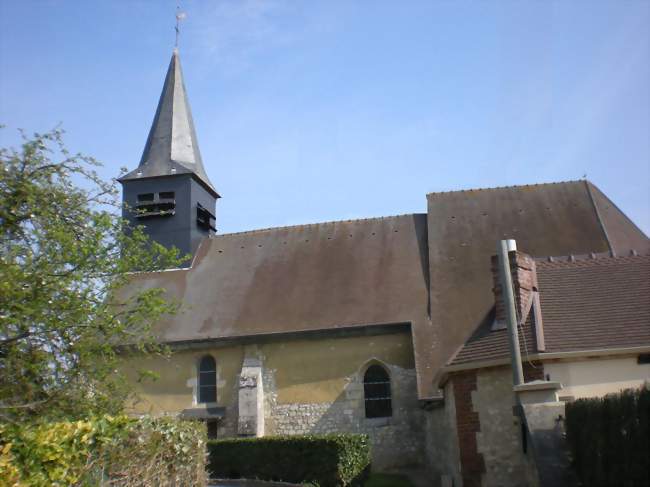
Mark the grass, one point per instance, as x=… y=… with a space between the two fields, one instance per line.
x=387 y=480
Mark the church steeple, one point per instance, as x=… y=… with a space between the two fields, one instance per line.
x=169 y=193
x=172 y=147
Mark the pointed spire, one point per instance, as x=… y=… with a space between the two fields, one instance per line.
x=172 y=147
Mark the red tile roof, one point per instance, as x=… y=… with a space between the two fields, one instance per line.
x=587 y=304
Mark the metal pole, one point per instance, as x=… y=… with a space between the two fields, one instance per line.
x=511 y=313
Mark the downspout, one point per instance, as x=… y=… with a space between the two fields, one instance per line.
x=511 y=313
x=508 y=296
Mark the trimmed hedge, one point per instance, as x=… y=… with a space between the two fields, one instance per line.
x=609 y=439
x=108 y=450
x=325 y=460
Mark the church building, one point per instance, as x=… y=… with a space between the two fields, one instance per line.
x=382 y=325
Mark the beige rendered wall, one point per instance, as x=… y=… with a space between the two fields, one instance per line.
x=175 y=389
x=314 y=371
x=597 y=377
x=310 y=386
x=317 y=387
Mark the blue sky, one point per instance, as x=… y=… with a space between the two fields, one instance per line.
x=311 y=111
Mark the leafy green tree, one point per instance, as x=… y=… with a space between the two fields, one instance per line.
x=64 y=254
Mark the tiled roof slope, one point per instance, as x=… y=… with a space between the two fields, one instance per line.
x=587 y=304
x=571 y=217
x=430 y=270
x=302 y=278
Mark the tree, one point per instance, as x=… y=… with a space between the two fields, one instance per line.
x=64 y=254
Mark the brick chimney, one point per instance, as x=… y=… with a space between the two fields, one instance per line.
x=524 y=279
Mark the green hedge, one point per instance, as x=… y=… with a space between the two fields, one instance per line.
x=107 y=450
x=325 y=460
x=609 y=439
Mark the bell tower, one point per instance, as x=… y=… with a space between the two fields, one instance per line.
x=169 y=193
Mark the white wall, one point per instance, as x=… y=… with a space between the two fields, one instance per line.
x=597 y=377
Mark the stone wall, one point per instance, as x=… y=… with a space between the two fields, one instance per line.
x=395 y=441
x=499 y=440
x=309 y=386
x=441 y=442
x=489 y=432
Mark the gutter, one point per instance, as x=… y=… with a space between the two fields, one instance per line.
x=371 y=329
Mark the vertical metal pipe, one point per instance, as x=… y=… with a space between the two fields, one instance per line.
x=511 y=313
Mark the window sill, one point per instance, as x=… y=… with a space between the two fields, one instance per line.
x=203 y=413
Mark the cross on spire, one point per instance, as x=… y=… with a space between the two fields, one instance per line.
x=179 y=16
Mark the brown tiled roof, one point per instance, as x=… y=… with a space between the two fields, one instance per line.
x=587 y=304
x=299 y=279
x=430 y=270
x=464 y=229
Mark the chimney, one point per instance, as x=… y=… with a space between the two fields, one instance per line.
x=524 y=280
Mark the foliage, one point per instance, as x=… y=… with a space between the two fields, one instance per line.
x=63 y=255
x=326 y=460
x=609 y=438
x=106 y=450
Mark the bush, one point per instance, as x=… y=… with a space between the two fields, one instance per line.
x=325 y=460
x=609 y=439
x=122 y=451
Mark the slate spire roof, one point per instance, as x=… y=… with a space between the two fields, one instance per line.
x=172 y=147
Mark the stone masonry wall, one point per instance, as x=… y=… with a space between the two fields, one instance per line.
x=395 y=441
x=489 y=433
x=500 y=437
x=441 y=442
x=227 y=426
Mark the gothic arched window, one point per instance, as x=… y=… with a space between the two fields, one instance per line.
x=376 y=390
x=207 y=380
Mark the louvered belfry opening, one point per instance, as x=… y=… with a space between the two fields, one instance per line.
x=207 y=380
x=204 y=218
x=376 y=388
x=155 y=204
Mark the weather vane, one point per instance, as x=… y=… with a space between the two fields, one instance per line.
x=179 y=16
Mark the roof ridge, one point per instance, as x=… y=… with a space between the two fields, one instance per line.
x=592 y=256
x=308 y=225
x=508 y=187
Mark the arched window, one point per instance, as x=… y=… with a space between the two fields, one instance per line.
x=376 y=390
x=207 y=380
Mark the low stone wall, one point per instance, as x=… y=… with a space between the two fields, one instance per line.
x=395 y=441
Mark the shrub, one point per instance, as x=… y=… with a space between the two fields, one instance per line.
x=325 y=460
x=609 y=439
x=120 y=450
